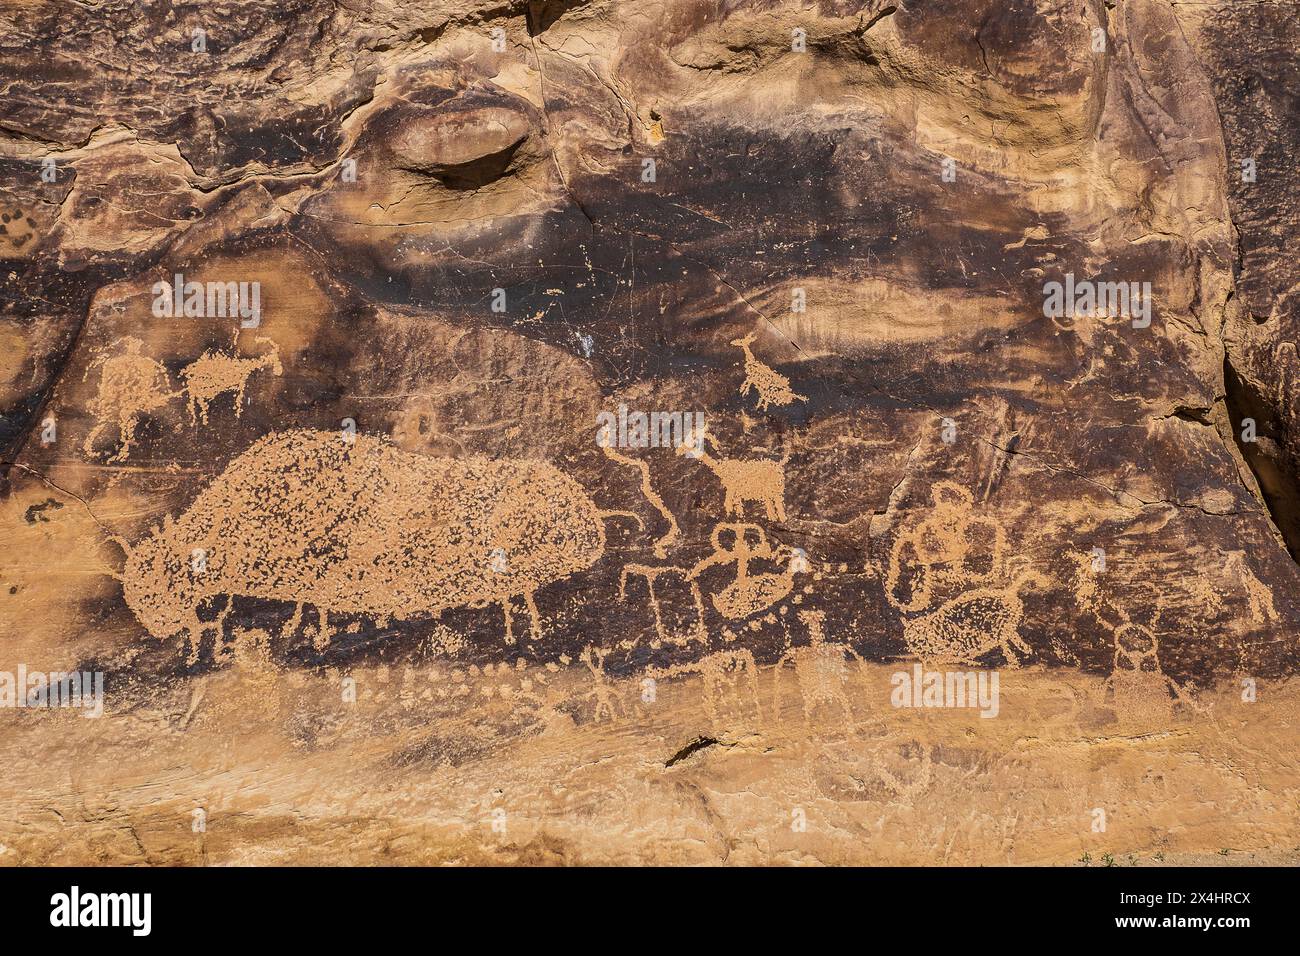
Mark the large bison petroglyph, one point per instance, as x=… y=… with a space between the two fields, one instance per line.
x=358 y=526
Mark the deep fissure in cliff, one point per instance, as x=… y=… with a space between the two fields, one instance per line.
x=1274 y=472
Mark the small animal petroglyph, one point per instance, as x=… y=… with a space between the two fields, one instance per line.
x=214 y=373
x=761 y=480
x=130 y=385
x=362 y=527
x=772 y=387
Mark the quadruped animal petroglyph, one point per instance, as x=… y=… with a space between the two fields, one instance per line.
x=696 y=630
x=760 y=480
x=953 y=548
x=973 y=624
x=355 y=525
x=215 y=373
x=772 y=387
x=133 y=385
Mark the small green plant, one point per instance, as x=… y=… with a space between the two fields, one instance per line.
x=1223 y=852
x=1107 y=860
x=1086 y=858
x=1160 y=856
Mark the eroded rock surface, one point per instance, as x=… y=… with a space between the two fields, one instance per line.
x=334 y=508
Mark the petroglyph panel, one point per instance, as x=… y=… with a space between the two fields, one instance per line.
x=311 y=340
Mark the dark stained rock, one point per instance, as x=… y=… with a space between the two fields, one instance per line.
x=458 y=233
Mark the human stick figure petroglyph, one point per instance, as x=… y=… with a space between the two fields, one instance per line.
x=1137 y=681
x=950 y=547
x=749 y=593
x=608 y=706
x=820 y=669
x=730 y=682
x=130 y=385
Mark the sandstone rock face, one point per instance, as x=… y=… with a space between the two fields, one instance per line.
x=567 y=431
